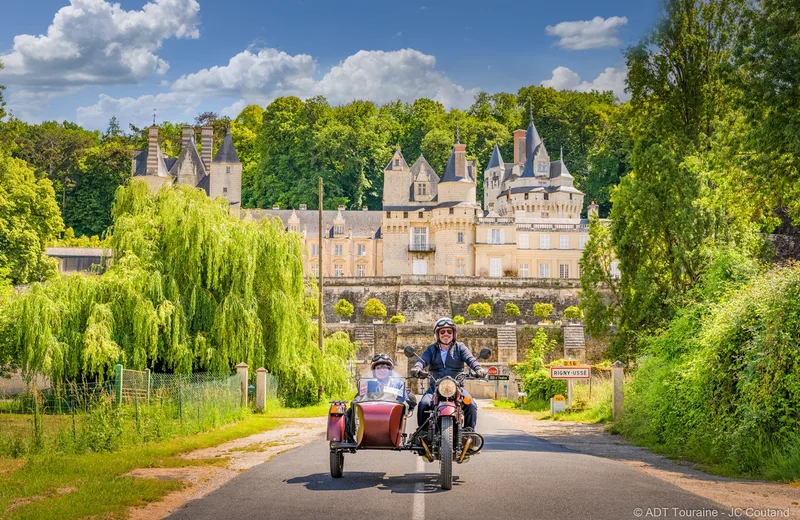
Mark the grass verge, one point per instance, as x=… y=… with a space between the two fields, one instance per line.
x=599 y=412
x=93 y=484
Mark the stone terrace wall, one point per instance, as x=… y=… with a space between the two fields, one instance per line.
x=423 y=299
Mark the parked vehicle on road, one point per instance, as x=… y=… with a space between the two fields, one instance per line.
x=376 y=420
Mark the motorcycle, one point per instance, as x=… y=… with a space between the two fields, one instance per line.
x=377 y=416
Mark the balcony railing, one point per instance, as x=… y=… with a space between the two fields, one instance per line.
x=552 y=227
x=495 y=221
x=422 y=248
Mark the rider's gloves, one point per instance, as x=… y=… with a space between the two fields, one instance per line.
x=481 y=372
x=418 y=372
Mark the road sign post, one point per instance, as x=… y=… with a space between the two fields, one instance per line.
x=570 y=371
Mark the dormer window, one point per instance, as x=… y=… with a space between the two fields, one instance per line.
x=546 y=196
x=422 y=188
x=542 y=167
x=338 y=229
x=397 y=162
x=526 y=196
x=228 y=169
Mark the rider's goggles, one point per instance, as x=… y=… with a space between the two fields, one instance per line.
x=446 y=331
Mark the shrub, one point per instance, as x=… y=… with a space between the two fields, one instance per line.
x=510 y=273
x=573 y=313
x=535 y=378
x=469 y=322
x=397 y=318
x=479 y=310
x=343 y=308
x=374 y=308
x=458 y=319
x=512 y=309
x=542 y=310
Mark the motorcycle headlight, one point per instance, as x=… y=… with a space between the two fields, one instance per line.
x=447 y=388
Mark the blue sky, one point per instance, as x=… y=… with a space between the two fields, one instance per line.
x=86 y=60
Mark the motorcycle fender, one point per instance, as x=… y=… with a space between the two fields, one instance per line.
x=336 y=428
x=447 y=408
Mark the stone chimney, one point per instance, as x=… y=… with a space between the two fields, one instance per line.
x=152 y=151
x=519 y=146
x=594 y=209
x=207 y=140
x=460 y=159
x=187 y=133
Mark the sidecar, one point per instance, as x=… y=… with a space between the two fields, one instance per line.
x=376 y=419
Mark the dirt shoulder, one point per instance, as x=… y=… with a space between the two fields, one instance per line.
x=223 y=463
x=751 y=497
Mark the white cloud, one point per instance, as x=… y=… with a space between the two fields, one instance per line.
x=612 y=78
x=258 y=78
x=588 y=34
x=94 y=42
x=381 y=76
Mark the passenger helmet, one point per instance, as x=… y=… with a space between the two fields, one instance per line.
x=382 y=359
x=442 y=323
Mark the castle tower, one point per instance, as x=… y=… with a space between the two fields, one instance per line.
x=226 y=173
x=396 y=181
x=493 y=178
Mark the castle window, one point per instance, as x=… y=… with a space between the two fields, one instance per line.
x=460 y=265
x=544 y=243
x=314 y=249
x=362 y=250
x=227 y=169
x=583 y=240
x=422 y=189
x=293 y=228
x=338 y=230
x=495 y=236
x=405 y=214
x=544 y=270
x=526 y=196
x=421 y=215
x=563 y=270
x=388 y=214
x=452 y=211
x=523 y=241
x=338 y=270
x=315 y=269
x=570 y=196
x=546 y=196
x=361 y=270
x=564 y=242
x=495 y=267
x=224 y=191
x=523 y=270
x=337 y=250
x=397 y=162
x=460 y=237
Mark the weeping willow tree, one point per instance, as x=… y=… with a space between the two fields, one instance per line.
x=192 y=288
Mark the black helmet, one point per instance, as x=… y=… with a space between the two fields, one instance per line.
x=382 y=359
x=442 y=323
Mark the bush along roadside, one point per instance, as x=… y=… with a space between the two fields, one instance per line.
x=721 y=384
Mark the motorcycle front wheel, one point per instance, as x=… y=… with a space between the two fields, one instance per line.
x=446 y=453
x=337 y=463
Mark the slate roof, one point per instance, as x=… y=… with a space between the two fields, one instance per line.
x=559 y=169
x=539 y=189
x=227 y=152
x=365 y=224
x=199 y=167
x=402 y=166
x=532 y=144
x=496 y=160
x=204 y=184
x=423 y=170
x=450 y=171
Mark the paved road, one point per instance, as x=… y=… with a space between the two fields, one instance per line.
x=516 y=476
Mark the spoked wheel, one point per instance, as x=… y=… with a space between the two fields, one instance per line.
x=337 y=463
x=446 y=454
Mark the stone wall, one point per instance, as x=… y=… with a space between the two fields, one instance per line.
x=423 y=299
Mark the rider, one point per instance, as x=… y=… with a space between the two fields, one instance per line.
x=446 y=357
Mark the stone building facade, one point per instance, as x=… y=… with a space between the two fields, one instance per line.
x=218 y=177
x=529 y=224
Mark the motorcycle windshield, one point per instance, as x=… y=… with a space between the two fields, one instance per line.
x=390 y=389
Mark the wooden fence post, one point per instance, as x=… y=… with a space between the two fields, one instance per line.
x=261 y=389
x=617 y=378
x=241 y=369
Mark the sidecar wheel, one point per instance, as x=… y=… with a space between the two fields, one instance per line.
x=446 y=454
x=337 y=463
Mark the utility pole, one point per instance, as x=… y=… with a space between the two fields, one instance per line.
x=320 y=312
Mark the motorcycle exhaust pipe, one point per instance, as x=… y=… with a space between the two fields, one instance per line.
x=464 y=451
x=427 y=451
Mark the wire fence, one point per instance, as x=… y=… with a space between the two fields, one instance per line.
x=134 y=407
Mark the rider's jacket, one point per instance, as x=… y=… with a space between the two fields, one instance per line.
x=457 y=355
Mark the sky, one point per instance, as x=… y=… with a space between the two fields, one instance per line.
x=88 y=60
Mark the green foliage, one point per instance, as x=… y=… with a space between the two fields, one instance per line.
x=397 y=318
x=542 y=310
x=374 y=308
x=573 y=313
x=458 y=319
x=70 y=240
x=343 y=308
x=29 y=219
x=600 y=292
x=721 y=384
x=2 y=103
x=512 y=309
x=182 y=295
x=479 y=310
x=535 y=378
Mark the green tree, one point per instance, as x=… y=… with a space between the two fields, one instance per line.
x=600 y=293
x=343 y=308
x=2 y=103
x=374 y=308
x=29 y=219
